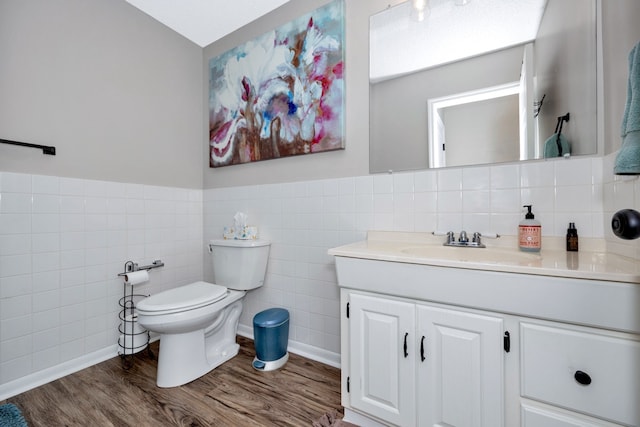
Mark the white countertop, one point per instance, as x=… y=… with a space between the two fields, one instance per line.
x=591 y=262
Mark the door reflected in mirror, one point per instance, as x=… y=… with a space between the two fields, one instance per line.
x=488 y=117
x=421 y=118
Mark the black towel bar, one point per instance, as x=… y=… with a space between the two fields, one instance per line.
x=45 y=148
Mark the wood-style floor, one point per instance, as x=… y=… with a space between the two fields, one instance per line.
x=233 y=394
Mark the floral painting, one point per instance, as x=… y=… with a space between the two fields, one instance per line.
x=281 y=94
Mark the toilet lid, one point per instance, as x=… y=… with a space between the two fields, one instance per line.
x=185 y=297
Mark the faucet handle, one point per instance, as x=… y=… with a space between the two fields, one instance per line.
x=463 y=237
x=476 y=238
x=450 y=237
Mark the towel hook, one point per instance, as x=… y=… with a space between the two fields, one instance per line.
x=558 y=132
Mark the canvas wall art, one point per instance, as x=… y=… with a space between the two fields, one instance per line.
x=281 y=94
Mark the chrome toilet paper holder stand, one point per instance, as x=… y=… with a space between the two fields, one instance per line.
x=130 y=267
x=128 y=317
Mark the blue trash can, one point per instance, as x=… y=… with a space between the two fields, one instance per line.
x=271 y=335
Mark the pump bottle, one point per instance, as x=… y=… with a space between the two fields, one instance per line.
x=529 y=232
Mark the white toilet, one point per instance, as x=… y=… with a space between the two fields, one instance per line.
x=198 y=322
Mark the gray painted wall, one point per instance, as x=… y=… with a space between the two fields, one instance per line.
x=123 y=98
x=562 y=72
x=118 y=94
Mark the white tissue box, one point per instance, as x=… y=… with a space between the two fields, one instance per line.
x=229 y=233
x=247 y=232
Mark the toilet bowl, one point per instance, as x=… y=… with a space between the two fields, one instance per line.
x=198 y=322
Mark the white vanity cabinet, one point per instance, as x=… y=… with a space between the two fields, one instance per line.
x=431 y=345
x=418 y=364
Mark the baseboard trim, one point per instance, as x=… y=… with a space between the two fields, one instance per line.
x=53 y=373
x=20 y=385
x=305 y=350
x=359 y=419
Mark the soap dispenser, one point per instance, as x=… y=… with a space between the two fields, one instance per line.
x=529 y=232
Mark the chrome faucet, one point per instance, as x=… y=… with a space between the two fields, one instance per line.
x=463 y=240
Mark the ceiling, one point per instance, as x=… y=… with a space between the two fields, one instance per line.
x=452 y=30
x=205 y=21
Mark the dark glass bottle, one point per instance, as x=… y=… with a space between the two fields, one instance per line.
x=572 y=238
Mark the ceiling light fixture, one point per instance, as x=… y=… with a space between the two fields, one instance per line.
x=420 y=9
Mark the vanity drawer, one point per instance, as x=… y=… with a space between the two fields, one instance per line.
x=582 y=369
x=540 y=415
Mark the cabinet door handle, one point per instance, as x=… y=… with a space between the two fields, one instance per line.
x=507 y=342
x=422 y=357
x=406 y=351
x=582 y=377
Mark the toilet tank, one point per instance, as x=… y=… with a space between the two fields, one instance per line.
x=239 y=264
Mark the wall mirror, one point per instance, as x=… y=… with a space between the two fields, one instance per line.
x=467 y=82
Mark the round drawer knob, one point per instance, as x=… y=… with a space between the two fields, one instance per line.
x=582 y=377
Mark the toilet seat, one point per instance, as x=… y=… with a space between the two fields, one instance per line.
x=182 y=298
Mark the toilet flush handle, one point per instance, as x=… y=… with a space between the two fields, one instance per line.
x=209 y=246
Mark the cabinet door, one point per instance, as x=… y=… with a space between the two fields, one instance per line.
x=460 y=380
x=382 y=372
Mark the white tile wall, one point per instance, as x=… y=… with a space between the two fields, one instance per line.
x=62 y=243
x=62 y=240
x=619 y=192
x=304 y=219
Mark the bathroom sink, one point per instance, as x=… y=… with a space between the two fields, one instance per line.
x=422 y=248
x=483 y=255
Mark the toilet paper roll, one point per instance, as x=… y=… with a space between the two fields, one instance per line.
x=136 y=277
x=130 y=344
x=130 y=325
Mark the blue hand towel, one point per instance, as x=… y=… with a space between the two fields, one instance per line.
x=552 y=149
x=631 y=117
x=628 y=159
